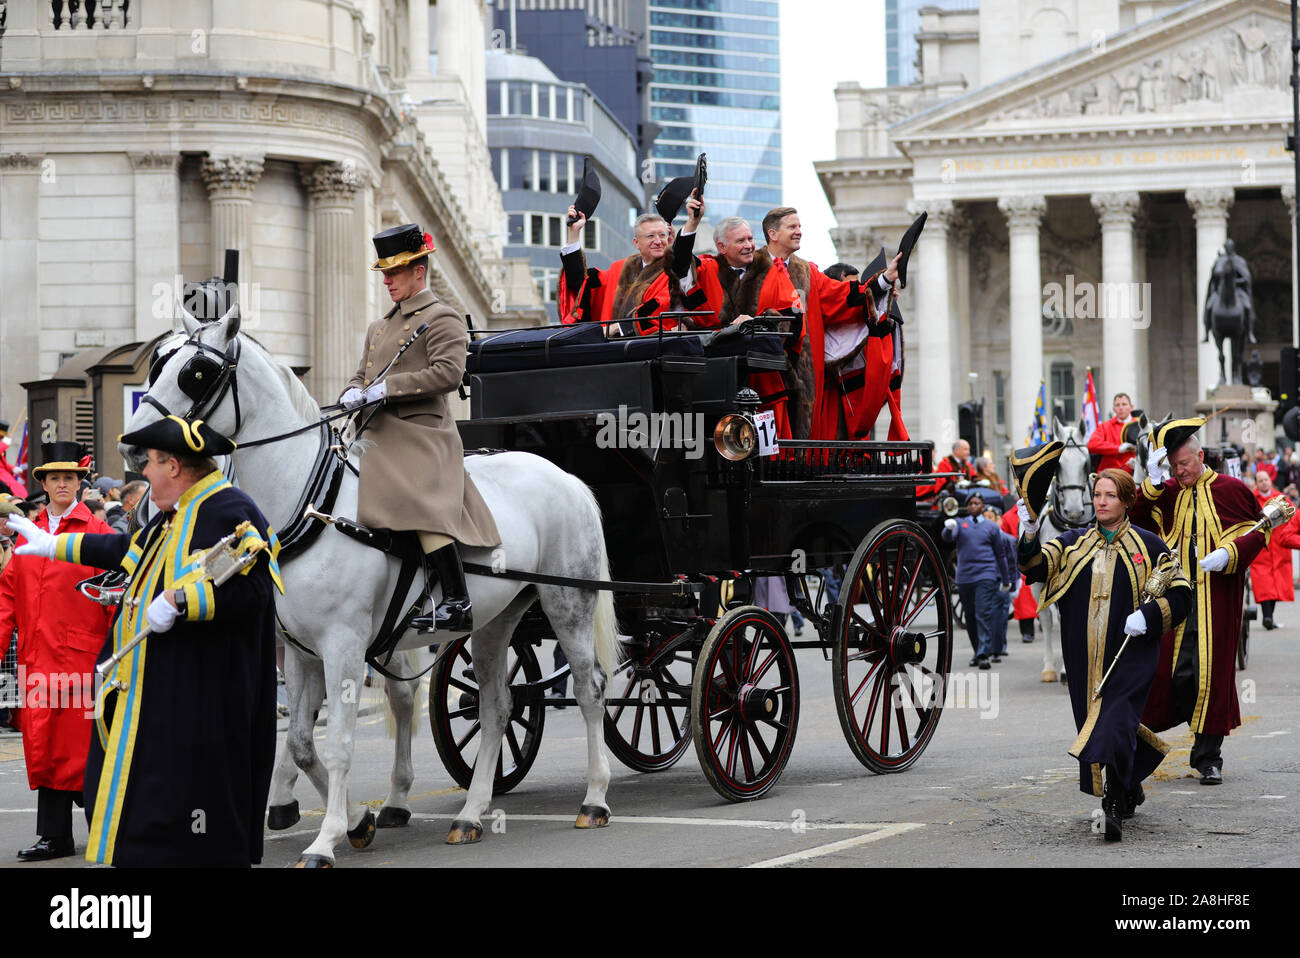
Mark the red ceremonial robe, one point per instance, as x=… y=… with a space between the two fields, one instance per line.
x=60 y=632
x=1224 y=509
x=946 y=464
x=1270 y=573
x=1105 y=441
x=601 y=288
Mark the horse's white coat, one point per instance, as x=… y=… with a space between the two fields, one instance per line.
x=337 y=591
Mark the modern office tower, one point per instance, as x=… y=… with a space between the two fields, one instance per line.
x=540 y=128
x=717 y=90
x=902 y=24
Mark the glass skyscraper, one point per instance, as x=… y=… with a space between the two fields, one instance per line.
x=902 y=24
x=717 y=90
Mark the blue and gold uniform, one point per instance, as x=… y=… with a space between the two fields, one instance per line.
x=180 y=762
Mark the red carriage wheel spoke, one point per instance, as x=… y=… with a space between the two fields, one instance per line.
x=463 y=686
x=513 y=671
x=763 y=669
x=920 y=607
x=654 y=728
x=873 y=671
x=895 y=578
x=865 y=655
x=717 y=742
x=757 y=738
x=887 y=693
x=627 y=694
x=873 y=699
x=636 y=724
x=464 y=713
x=745 y=757
x=665 y=679
x=749 y=662
x=911 y=588
x=731 y=748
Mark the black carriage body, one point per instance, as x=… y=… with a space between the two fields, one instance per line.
x=676 y=506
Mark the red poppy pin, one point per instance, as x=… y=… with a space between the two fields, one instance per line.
x=1137 y=557
x=428 y=241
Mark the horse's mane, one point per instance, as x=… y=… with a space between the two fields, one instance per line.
x=303 y=403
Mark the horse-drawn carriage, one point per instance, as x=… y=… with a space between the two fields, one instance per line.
x=662 y=429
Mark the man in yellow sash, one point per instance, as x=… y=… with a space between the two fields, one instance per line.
x=180 y=761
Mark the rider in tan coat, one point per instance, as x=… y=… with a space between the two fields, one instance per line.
x=413 y=476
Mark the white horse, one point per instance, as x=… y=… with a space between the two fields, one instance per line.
x=337 y=591
x=1069 y=507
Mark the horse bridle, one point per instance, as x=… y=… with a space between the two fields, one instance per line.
x=1055 y=498
x=205 y=379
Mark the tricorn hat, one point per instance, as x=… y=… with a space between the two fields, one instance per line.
x=401 y=245
x=1131 y=432
x=1034 y=468
x=1172 y=433
x=62 y=456
x=174 y=434
x=677 y=191
x=589 y=192
x=906 y=244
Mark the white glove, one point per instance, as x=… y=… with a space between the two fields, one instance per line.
x=352 y=397
x=161 y=614
x=377 y=391
x=950 y=523
x=39 y=542
x=1135 y=624
x=1028 y=527
x=1155 y=471
x=1126 y=447
x=1216 y=561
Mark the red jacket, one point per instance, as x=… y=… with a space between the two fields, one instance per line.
x=1105 y=442
x=60 y=634
x=946 y=464
x=594 y=300
x=1270 y=573
x=1025 y=606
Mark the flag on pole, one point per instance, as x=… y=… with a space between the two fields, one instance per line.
x=1091 y=411
x=1038 y=432
x=20 y=467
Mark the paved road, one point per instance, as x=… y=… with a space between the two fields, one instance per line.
x=995 y=787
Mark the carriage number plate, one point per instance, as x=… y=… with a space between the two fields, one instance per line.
x=765 y=425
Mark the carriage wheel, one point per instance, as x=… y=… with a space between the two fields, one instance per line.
x=745 y=703
x=893 y=646
x=453 y=715
x=653 y=734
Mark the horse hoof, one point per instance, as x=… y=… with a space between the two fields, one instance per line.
x=279 y=817
x=1049 y=675
x=464 y=833
x=393 y=817
x=364 y=833
x=314 y=861
x=592 y=816
x=1062 y=678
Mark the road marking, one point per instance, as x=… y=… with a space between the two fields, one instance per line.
x=887 y=831
x=16 y=811
x=777 y=826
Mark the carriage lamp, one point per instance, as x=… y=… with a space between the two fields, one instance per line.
x=950 y=506
x=734 y=437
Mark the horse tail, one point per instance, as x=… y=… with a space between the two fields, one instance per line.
x=412 y=657
x=608 y=651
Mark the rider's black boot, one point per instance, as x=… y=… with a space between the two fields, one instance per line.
x=454 y=612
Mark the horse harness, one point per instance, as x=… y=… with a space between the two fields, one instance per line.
x=1054 y=498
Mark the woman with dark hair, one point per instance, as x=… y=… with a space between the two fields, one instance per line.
x=1097 y=575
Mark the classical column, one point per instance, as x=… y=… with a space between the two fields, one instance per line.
x=230 y=181
x=453 y=59
x=928 y=276
x=418 y=76
x=337 y=325
x=964 y=357
x=1117 y=301
x=1210 y=206
x=21 y=358
x=157 y=204
x=1024 y=215
x=1288 y=197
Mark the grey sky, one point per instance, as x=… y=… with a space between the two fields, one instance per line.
x=823 y=43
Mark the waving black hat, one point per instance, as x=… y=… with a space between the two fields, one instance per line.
x=1034 y=468
x=589 y=192
x=1172 y=433
x=174 y=434
x=677 y=191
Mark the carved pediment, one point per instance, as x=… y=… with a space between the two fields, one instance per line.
x=1216 y=61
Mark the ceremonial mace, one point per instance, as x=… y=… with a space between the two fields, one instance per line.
x=1157 y=584
x=216 y=564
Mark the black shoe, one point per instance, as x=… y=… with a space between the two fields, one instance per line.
x=1132 y=799
x=1026 y=639
x=48 y=848
x=454 y=612
x=997 y=659
x=983 y=662
x=974 y=661
x=1210 y=775
x=1268 y=624
x=1114 y=821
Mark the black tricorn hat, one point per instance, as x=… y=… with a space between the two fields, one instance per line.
x=589 y=192
x=1034 y=468
x=1172 y=433
x=677 y=191
x=1130 y=433
x=174 y=434
x=906 y=244
x=879 y=265
x=401 y=245
x=62 y=456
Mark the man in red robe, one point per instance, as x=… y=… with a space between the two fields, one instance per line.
x=634 y=289
x=1107 y=440
x=957 y=461
x=1206 y=517
x=1270 y=573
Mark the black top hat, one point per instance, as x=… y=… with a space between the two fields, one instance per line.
x=174 y=434
x=1172 y=433
x=677 y=191
x=589 y=192
x=62 y=456
x=1034 y=468
x=401 y=245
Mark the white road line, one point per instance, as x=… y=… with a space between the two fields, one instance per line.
x=724 y=822
x=888 y=831
x=16 y=811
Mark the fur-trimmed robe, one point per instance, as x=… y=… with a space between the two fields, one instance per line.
x=624 y=289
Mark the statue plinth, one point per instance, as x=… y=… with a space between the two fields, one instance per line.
x=1242 y=415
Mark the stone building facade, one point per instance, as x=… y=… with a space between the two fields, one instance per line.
x=1082 y=165
x=139 y=141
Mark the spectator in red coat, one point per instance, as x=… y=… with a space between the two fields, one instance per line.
x=1270 y=573
x=1025 y=607
x=1107 y=440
